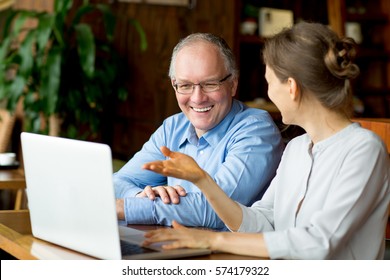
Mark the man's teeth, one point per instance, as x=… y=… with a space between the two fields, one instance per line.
x=202 y=109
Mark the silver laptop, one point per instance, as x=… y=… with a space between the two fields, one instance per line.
x=71 y=200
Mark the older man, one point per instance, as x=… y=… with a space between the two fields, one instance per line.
x=239 y=147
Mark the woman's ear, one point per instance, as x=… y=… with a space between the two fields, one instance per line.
x=294 y=90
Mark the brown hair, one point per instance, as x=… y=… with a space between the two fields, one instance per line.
x=319 y=61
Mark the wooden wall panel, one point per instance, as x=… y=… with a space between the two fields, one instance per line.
x=336 y=15
x=385 y=6
x=35 y=5
x=38 y=5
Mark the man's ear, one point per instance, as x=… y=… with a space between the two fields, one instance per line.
x=294 y=89
x=234 y=87
x=173 y=83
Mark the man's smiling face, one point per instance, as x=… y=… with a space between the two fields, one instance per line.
x=199 y=63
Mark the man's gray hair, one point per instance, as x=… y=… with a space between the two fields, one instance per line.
x=224 y=49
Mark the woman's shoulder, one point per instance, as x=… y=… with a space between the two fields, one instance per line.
x=366 y=136
x=354 y=136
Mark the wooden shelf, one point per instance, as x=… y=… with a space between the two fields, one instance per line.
x=373 y=58
x=251 y=39
x=374 y=52
x=379 y=18
x=373 y=91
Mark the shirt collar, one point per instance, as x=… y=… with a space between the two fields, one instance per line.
x=213 y=136
x=322 y=145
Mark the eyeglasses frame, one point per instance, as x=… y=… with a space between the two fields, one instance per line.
x=201 y=86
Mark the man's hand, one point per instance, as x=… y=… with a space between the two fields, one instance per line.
x=120 y=209
x=168 y=194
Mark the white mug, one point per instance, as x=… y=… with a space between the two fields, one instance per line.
x=7 y=158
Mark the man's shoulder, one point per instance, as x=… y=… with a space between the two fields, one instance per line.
x=177 y=123
x=253 y=115
x=175 y=118
x=243 y=109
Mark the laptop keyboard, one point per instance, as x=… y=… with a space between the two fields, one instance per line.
x=128 y=248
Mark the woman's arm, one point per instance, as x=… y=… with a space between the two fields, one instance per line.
x=184 y=167
x=250 y=244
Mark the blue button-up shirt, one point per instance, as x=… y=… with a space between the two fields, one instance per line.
x=241 y=154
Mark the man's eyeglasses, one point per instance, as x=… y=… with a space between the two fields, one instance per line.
x=188 y=88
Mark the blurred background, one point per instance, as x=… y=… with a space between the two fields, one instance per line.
x=129 y=120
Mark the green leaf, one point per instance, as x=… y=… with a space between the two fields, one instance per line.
x=8 y=23
x=15 y=91
x=49 y=90
x=81 y=11
x=108 y=16
x=2 y=91
x=122 y=94
x=44 y=30
x=86 y=48
x=72 y=131
x=26 y=55
x=30 y=99
x=4 y=45
x=62 y=6
x=143 y=41
x=109 y=20
x=36 y=124
x=16 y=21
x=61 y=11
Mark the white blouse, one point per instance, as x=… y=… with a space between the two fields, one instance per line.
x=327 y=201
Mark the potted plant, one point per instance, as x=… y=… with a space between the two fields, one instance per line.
x=65 y=67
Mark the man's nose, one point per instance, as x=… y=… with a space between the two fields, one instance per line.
x=198 y=93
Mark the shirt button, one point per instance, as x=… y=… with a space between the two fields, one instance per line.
x=201 y=152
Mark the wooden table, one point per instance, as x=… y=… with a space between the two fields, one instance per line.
x=14 y=180
x=16 y=240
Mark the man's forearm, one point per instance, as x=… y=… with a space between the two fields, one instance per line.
x=193 y=210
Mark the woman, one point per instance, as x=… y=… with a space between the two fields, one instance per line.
x=330 y=195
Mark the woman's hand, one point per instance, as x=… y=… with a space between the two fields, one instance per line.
x=249 y=244
x=181 y=237
x=178 y=165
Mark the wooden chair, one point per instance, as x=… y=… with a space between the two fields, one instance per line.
x=7 y=122
x=18 y=220
x=381 y=127
x=17 y=186
x=13 y=181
